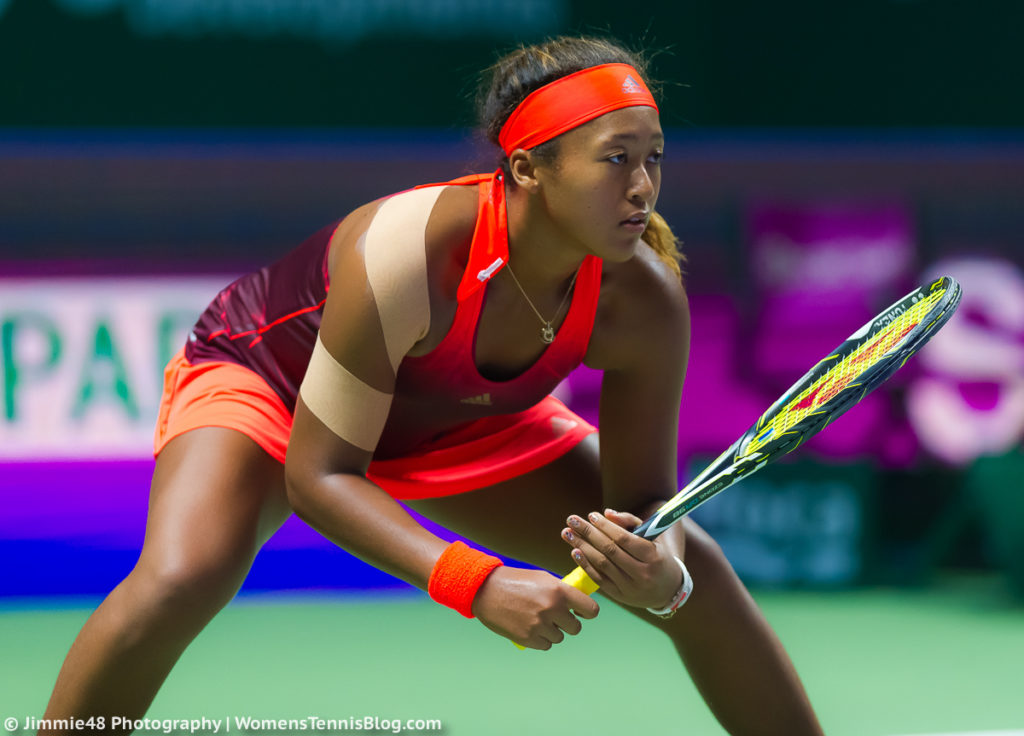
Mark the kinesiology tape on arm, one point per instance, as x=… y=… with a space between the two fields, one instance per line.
x=347 y=405
x=394 y=255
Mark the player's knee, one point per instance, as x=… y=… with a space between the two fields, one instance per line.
x=186 y=589
x=716 y=585
x=707 y=562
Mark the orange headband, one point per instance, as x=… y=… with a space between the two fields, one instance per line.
x=571 y=101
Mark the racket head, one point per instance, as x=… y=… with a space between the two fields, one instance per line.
x=856 y=367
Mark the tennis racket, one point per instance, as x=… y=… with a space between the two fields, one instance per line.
x=841 y=379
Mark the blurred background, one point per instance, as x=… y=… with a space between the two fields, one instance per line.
x=822 y=160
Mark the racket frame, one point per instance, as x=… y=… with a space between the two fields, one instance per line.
x=737 y=462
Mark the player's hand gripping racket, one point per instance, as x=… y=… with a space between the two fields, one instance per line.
x=837 y=382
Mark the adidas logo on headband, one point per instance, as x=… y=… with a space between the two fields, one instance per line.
x=630 y=86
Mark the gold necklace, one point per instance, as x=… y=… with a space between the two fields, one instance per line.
x=547 y=332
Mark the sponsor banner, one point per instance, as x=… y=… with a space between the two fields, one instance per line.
x=820 y=269
x=800 y=524
x=81 y=361
x=969 y=402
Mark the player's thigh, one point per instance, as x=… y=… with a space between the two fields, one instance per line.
x=523 y=517
x=216 y=497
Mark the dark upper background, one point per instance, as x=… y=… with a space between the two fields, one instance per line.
x=878 y=63
x=215 y=134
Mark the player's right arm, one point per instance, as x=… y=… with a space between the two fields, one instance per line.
x=377 y=310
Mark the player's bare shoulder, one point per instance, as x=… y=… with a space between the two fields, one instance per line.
x=345 y=240
x=642 y=308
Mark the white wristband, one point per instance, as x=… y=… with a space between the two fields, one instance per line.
x=681 y=596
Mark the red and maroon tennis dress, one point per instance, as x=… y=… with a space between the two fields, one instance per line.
x=245 y=358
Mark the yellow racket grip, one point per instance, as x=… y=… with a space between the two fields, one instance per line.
x=578 y=579
x=581 y=581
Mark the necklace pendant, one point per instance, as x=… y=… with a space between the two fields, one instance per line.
x=547 y=334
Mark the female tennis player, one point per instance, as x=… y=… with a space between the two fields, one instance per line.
x=409 y=352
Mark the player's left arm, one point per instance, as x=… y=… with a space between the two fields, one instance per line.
x=641 y=342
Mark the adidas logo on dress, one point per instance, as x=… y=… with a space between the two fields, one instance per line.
x=481 y=400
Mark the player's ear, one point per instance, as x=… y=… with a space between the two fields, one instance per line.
x=523 y=170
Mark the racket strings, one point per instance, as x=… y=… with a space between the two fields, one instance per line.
x=815 y=397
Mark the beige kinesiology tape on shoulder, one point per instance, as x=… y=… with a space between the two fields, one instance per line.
x=396 y=268
x=395 y=258
x=347 y=405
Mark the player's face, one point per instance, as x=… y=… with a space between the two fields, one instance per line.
x=602 y=188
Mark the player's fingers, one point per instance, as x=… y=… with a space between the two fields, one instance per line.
x=555 y=631
x=603 y=560
x=543 y=636
x=582 y=604
x=637 y=547
x=607 y=576
x=624 y=519
x=600 y=552
x=535 y=642
x=569 y=624
x=615 y=545
x=584 y=533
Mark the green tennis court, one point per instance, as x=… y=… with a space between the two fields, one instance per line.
x=939 y=660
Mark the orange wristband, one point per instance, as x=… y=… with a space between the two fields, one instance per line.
x=457 y=576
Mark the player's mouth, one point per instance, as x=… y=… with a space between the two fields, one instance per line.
x=637 y=222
